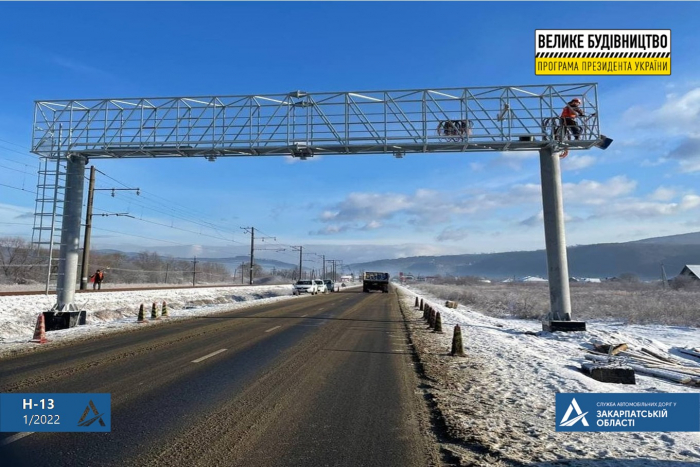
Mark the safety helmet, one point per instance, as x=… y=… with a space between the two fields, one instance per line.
x=576 y=100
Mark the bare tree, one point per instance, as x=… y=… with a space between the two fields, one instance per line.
x=20 y=262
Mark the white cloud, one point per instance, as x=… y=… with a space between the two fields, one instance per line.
x=678 y=114
x=77 y=67
x=647 y=209
x=514 y=159
x=689 y=202
x=578 y=162
x=426 y=209
x=373 y=225
x=690 y=166
x=596 y=193
x=653 y=163
x=687 y=153
x=453 y=234
x=330 y=230
x=371 y=209
x=538 y=219
x=663 y=194
x=16 y=221
x=533 y=221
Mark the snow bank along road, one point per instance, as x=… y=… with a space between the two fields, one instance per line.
x=324 y=380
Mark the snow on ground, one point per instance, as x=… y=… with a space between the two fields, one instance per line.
x=116 y=311
x=499 y=400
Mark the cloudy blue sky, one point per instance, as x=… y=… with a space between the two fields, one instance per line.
x=354 y=208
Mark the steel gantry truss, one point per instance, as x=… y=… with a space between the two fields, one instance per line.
x=303 y=125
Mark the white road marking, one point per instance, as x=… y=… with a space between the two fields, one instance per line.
x=13 y=438
x=304 y=316
x=272 y=329
x=207 y=356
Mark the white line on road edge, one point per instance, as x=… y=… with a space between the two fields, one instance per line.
x=304 y=316
x=207 y=356
x=272 y=329
x=13 y=438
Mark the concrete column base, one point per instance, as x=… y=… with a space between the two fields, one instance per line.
x=63 y=320
x=563 y=326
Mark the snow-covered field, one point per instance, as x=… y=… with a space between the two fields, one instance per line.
x=498 y=401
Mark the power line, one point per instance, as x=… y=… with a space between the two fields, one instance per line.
x=171 y=227
x=23 y=153
x=20 y=189
x=178 y=217
x=13 y=161
x=202 y=223
x=141 y=236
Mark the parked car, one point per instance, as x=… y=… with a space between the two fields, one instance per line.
x=321 y=286
x=330 y=285
x=305 y=286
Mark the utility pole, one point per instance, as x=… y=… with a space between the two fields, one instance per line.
x=252 y=248
x=251 y=230
x=664 y=279
x=194 y=271
x=252 y=253
x=333 y=270
x=300 y=249
x=88 y=231
x=88 y=223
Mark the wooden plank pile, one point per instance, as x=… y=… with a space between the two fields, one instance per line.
x=648 y=362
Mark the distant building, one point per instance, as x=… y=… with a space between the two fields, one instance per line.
x=590 y=280
x=691 y=270
x=531 y=279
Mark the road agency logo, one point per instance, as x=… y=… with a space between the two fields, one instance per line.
x=98 y=416
x=627 y=412
x=603 y=52
x=581 y=416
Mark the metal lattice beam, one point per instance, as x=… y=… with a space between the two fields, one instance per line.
x=300 y=124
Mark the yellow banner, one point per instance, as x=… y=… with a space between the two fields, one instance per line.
x=603 y=66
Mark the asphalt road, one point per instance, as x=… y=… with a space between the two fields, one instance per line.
x=318 y=381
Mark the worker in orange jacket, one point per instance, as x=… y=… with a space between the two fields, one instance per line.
x=570 y=113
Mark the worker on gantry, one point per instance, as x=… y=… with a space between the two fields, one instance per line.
x=569 y=114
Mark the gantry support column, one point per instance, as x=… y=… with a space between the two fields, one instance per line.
x=555 y=239
x=70 y=233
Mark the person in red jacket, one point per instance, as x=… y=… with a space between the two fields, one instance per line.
x=570 y=113
x=97 y=279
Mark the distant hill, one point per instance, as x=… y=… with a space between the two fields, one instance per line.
x=683 y=239
x=231 y=263
x=642 y=258
x=234 y=262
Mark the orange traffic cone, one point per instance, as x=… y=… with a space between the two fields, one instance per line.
x=40 y=331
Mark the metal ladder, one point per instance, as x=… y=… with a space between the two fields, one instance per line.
x=46 y=233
